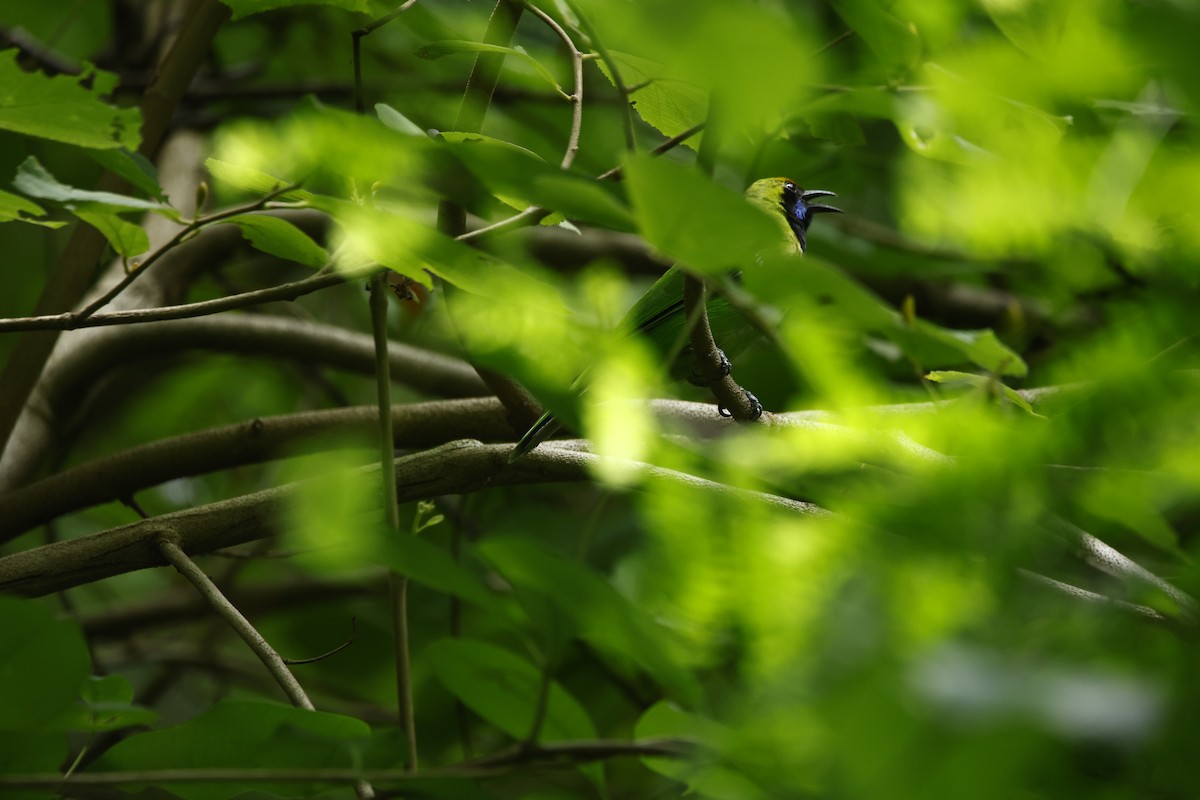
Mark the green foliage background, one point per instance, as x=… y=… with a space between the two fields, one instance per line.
x=984 y=373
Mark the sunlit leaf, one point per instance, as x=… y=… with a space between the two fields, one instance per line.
x=278 y=237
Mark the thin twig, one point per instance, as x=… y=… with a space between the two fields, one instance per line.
x=535 y=214
x=566 y=752
x=356 y=37
x=397 y=584
x=177 y=558
x=615 y=71
x=353 y=632
x=285 y=291
x=577 y=96
x=174 y=241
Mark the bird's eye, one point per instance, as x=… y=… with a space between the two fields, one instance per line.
x=789 y=186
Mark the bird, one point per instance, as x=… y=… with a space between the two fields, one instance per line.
x=660 y=317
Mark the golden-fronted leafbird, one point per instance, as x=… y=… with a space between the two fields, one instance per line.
x=659 y=316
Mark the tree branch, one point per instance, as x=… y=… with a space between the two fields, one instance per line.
x=67 y=385
x=177 y=558
x=457 y=468
x=120 y=475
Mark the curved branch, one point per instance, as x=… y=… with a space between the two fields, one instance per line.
x=122 y=474
x=577 y=96
x=457 y=468
x=65 y=387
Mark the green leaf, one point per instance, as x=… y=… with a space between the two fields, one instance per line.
x=33 y=179
x=253 y=180
x=133 y=167
x=13 y=207
x=440 y=49
x=278 y=237
x=986 y=383
x=602 y=616
x=402 y=244
x=65 y=108
x=430 y=566
x=241 y=734
x=108 y=706
x=126 y=238
x=503 y=689
x=397 y=121
x=691 y=219
x=43 y=662
x=245 y=8
x=665 y=720
x=514 y=173
x=668 y=104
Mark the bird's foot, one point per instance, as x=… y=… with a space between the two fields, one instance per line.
x=696 y=375
x=756 y=408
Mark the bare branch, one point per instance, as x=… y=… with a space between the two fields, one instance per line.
x=577 y=96
x=456 y=468
x=122 y=474
x=177 y=558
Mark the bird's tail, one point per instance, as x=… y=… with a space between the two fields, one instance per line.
x=545 y=427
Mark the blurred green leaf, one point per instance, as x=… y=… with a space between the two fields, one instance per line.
x=108 y=706
x=43 y=663
x=397 y=121
x=503 y=689
x=986 y=383
x=664 y=720
x=412 y=556
x=243 y=735
x=246 y=8
x=253 y=180
x=512 y=173
x=691 y=219
x=602 y=616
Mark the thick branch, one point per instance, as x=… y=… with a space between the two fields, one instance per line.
x=456 y=468
x=65 y=388
x=122 y=474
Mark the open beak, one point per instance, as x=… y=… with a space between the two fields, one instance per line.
x=817 y=208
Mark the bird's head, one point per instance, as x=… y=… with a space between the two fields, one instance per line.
x=781 y=196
